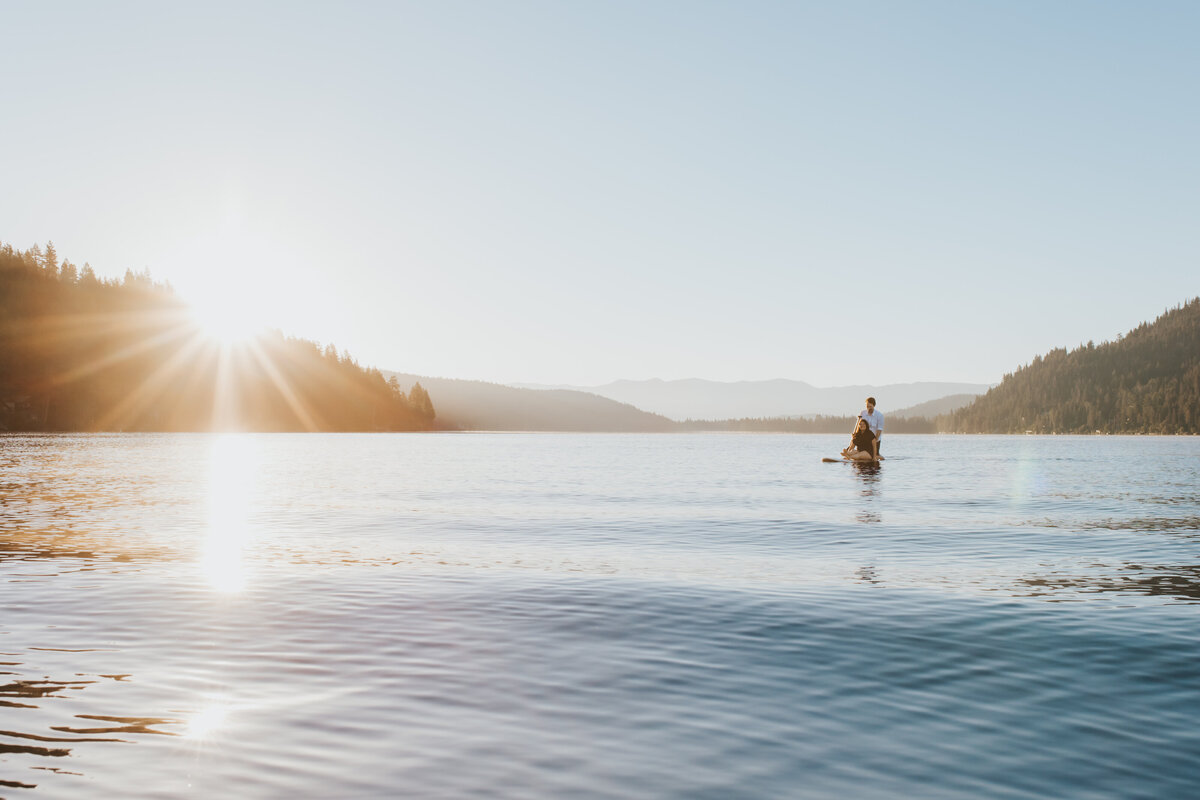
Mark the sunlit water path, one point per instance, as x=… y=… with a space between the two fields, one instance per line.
x=598 y=616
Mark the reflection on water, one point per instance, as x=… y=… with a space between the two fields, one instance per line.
x=44 y=745
x=1189 y=525
x=79 y=500
x=208 y=720
x=58 y=718
x=868 y=471
x=869 y=517
x=1177 y=581
x=232 y=470
x=868 y=474
x=868 y=574
x=122 y=725
x=607 y=616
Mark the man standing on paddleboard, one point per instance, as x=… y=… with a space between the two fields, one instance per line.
x=875 y=420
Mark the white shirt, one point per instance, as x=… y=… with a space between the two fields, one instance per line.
x=874 y=420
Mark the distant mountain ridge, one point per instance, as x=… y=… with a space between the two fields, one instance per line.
x=1145 y=382
x=699 y=399
x=482 y=406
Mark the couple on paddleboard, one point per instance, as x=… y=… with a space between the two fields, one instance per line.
x=864 y=442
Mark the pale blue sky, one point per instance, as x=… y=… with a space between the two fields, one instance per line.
x=571 y=192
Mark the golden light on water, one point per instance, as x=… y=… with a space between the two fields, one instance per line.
x=233 y=463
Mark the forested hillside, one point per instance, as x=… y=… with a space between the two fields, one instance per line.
x=1145 y=382
x=80 y=353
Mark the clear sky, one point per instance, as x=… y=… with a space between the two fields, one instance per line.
x=574 y=192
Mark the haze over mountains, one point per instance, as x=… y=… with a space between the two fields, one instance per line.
x=699 y=399
x=934 y=408
x=78 y=353
x=482 y=406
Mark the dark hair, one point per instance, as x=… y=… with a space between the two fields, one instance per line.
x=871 y=400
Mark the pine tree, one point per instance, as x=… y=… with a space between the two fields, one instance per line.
x=1139 y=383
x=50 y=260
x=420 y=401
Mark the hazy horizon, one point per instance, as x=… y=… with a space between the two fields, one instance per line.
x=699 y=379
x=698 y=399
x=569 y=194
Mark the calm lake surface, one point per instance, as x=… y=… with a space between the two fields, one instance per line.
x=543 y=615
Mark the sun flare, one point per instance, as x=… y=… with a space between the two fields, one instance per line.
x=226 y=322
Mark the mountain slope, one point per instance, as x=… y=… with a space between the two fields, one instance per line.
x=1145 y=382
x=934 y=408
x=714 y=400
x=477 y=405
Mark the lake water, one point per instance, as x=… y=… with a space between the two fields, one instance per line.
x=624 y=616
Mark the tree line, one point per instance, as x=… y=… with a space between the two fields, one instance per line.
x=1147 y=381
x=815 y=424
x=83 y=353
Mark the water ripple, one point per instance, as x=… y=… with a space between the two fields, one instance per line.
x=517 y=616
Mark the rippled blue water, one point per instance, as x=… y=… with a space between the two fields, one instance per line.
x=598 y=616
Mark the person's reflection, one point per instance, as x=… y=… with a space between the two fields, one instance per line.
x=868 y=574
x=869 y=474
x=868 y=471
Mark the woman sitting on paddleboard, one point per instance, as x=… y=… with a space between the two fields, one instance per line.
x=862 y=445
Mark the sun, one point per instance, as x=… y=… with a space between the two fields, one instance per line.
x=226 y=320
